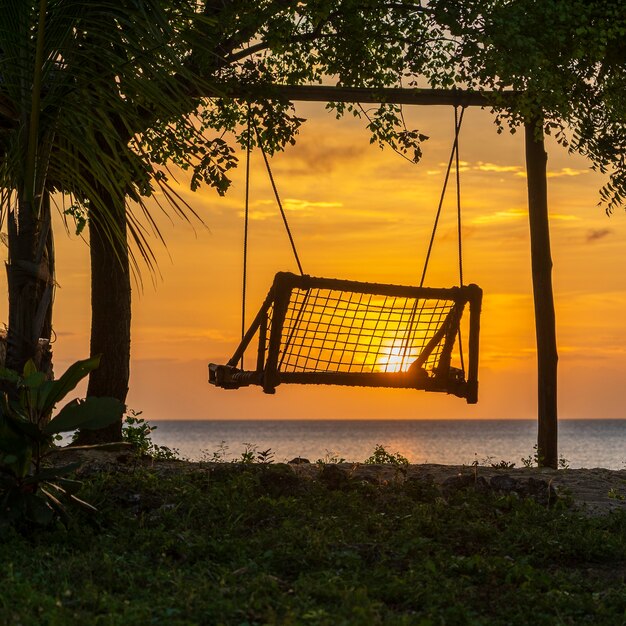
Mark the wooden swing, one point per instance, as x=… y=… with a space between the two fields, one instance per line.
x=338 y=332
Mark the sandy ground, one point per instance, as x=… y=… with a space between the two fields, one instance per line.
x=595 y=491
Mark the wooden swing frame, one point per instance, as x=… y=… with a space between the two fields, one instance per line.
x=268 y=374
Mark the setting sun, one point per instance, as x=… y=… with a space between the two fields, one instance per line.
x=393 y=358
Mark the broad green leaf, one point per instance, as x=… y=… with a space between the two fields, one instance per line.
x=31 y=385
x=35 y=380
x=47 y=387
x=10 y=375
x=29 y=368
x=13 y=407
x=22 y=426
x=91 y=413
x=56 y=390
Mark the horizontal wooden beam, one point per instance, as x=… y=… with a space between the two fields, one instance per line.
x=391 y=95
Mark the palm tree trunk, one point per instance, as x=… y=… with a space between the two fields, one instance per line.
x=30 y=279
x=110 y=320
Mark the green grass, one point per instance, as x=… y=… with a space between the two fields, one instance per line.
x=249 y=544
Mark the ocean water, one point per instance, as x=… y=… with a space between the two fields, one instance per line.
x=582 y=443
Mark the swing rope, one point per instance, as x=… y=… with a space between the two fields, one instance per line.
x=245 y=233
x=457 y=125
x=453 y=154
x=278 y=201
x=250 y=124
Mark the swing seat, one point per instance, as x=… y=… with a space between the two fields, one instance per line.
x=323 y=331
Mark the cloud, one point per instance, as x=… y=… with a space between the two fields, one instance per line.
x=509 y=215
x=481 y=166
x=585 y=353
x=318 y=158
x=515 y=170
x=564 y=217
x=461 y=164
x=598 y=233
x=291 y=205
x=294 y=204
x=567 y=171
x=493 y=167
x=260 y=216
x=501 y=216
x=464 y=166
x=564 y=171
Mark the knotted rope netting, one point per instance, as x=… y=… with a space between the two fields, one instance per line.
x=327 y=331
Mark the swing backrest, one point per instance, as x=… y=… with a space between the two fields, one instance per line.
x=327 y=331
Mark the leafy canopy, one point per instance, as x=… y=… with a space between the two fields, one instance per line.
x=129 y=88
x=566 y=60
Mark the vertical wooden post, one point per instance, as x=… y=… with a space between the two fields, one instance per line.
x=545 y=323
x=475 y=305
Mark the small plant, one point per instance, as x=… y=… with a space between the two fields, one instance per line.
x=251 y=454
x=503 y=464
x=614 y=494
x=533 y=460
x=265 y=457
x=536 y=460
x=219 y=455
x=381 y=456
x=30 y=491
x=137 y=431
x=248 y=454
x=330 y=458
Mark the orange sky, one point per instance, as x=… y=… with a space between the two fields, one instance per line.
x=361 y=213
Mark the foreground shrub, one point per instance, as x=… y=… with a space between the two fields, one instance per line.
x=30 y=491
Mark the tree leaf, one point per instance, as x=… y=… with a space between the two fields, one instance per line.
x=10 y=375
x=34 y=380
x=29 y=368
x=52 y=391
x=21 y=426
x=92 y=413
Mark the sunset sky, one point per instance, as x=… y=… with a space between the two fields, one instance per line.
x=361 y=213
